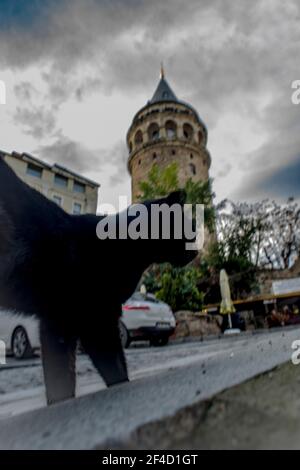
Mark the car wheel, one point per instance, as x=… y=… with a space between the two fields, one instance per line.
x=159 y=341
x=20 y=344
x=124 y=335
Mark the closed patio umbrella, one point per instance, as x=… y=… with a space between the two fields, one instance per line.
x=227 y=307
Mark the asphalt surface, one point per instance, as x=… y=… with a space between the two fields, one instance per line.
x=164 y=380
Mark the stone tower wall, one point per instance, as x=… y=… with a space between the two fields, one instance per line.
x=164 y=133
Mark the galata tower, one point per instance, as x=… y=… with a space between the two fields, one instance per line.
x=164 y=131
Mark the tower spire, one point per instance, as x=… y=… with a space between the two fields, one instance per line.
x=162 y=70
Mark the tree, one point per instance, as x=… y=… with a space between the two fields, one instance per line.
x=266 y=233
x=175 y=286
x=162 y=182
x=251 y=237
x=280 y=242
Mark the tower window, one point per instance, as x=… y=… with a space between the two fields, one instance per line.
x=173 y=152
x=138 y=138
x=191 y=156
x=153 y=131
x=188 y=131
x=200 y=137
x=140 y=161
x=154 y=156
x=192 y=168
x=171 y=129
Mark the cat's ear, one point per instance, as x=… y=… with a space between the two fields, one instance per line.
x=177 y=197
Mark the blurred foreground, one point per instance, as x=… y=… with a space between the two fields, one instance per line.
x=164 y=381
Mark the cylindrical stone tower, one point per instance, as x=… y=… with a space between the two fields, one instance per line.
x=164 y=131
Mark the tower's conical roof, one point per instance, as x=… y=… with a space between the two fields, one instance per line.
x=163 y=91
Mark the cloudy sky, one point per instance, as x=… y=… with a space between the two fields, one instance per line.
x=77 y=71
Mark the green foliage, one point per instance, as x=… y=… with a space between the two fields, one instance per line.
x=200 y=192
x=160 y=183
x=175 y=286
x=241 y=271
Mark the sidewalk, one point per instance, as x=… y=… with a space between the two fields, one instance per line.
x=262 y=413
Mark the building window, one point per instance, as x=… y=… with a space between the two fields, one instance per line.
x=188 y=131
x=153 y=131
x=173 y=152
x=57 y=200
x=78 y=187
x=171 y=129
x=191 y=156
x=60 y=180
x=192 y=168
x=140 y=161
x=154 y=156
x=77 y=208
x=34 y=170
x=138 y=138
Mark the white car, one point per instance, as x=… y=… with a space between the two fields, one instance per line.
x=146 y=318
x=19 y=333
x=143 y=318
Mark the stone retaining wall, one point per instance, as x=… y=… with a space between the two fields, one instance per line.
x=195 y=324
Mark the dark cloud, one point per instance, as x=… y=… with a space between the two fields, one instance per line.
x=39 y=122
x=23 y=14
x=220 y=55
x=281 y=183
x=225 y=169
x=25 y=92
x=279 y=155
x=76 y=156
x=35 y=120
x=284 y=182
x=68 y=153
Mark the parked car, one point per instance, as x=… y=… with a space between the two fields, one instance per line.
x=143 y=318
x=146 y=318
x=20 y=334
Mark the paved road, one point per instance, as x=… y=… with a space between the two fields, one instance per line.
x=163 y=381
